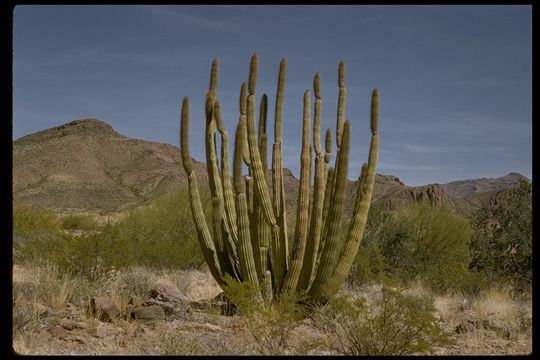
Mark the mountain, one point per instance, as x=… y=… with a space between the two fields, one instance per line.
x=463 y=188
x=85 y=165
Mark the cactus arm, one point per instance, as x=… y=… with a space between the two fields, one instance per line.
x=280 y=244
x=229 y=211
x=341 y=103
x=260 y=186
x=331 y=250
x=264 y=229
x=203 y=233
x=312 y=246
x=302 y=210
x=363 y=200
x=245 y=251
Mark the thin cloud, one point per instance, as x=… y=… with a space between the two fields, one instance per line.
x=171 y=12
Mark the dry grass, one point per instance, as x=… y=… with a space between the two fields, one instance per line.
x=55 y=290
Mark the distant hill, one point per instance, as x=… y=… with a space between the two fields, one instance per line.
x=86 y=166
x=474 y=186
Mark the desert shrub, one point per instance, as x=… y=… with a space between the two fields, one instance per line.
x=501 y=245
x=161 y=234
x=427 y=242
x=269 y=324
x=33 y=223
x=390 y=323
x=368 y=265
x=24 y=315
x=79 y=222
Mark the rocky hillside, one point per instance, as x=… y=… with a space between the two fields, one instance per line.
x=474 y=186
x=85 y=165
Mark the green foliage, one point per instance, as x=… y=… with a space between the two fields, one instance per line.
x=418 y=241
x=269 y=324
x=369 y=264
x=159 y=235
x=390 y=323
x=33 y=223
x=501 y=245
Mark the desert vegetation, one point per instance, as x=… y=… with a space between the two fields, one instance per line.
x=211 y=272
x=492 y=314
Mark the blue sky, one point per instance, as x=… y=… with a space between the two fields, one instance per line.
x=455 y=82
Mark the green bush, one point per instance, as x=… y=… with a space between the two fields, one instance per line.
x=33 y=223
x=501 y=246
x=425 y=242
x=159 y=235
x=269 y=324
x=391 y=323
x=369 y=263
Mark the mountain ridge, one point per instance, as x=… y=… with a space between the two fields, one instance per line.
x=85 y=165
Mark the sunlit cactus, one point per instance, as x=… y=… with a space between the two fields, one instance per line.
x=248 y=237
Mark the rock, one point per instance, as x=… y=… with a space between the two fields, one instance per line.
x=152 y=312
x=58 y=332
x=195 y=326
x=76 y=338
x=104 y=308
x=220 y=302
x=70 y=324
x=105 y=330
x=166 y=291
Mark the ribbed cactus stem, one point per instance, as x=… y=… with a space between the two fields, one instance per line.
x=315 y=227
x=260 y=182
x=245 y=251
x=243 y=98
x=264 y=230
x=279 y=238
x=341 y=103
x=328 y=147
x=267 y=287
x=326 y=206
x=280 y=96
x=226 y=175
x=203 y=233
x=374 y=111
x=253 y=73
x=184 y=136
x=358 y=223
x=238 y=181
x=249 y=239
x=332 y=246
x=214 y=76
x=302 y=210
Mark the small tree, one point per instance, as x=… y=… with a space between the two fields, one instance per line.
x=501 y=245
x=429 y=242
x=389 y=323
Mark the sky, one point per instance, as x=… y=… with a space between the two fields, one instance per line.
x=455 y=82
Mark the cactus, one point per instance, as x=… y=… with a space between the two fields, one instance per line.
x=248 y=236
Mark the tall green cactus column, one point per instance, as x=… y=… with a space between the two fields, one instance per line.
x=249 y=241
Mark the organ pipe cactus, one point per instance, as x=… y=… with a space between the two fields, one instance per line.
x=248 y=236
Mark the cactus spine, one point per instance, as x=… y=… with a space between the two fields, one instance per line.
x=248 y=240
